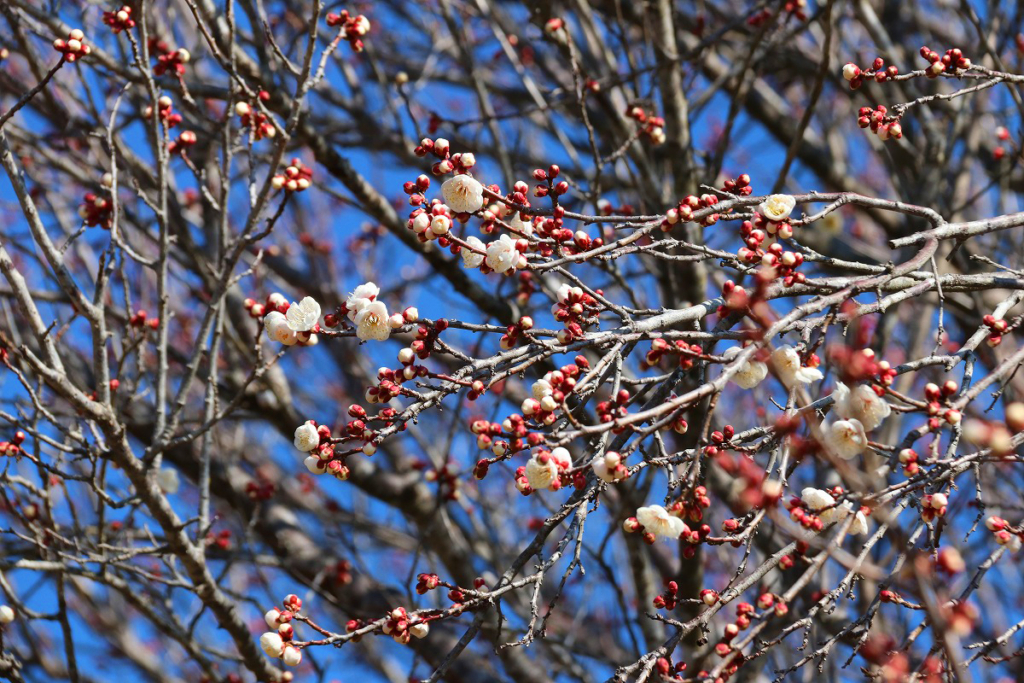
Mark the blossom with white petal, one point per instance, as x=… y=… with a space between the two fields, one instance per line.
x=541 y=388
x=519 y=225
x=314 y=465
x=845 y=438
x=168 y=481
x=861 y=403
x=816 y=499
x=373 y=322
x=750 y=374
x=463 y=194
x=306 y=437
x=304 y=315
x=272 y=644
x=419 y=630
x=777 y=207
x=859 y=527
x=657 y=520
x=543 y=467
x=502 y=254
x=362 y=296
x=470 y=258
x=791 y=371
x=6 y=615
x=291 y=656
x=824 y=505
x=278 y=330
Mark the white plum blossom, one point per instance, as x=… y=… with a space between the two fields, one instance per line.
x=543 y=467
x=6 y=615
x=272 y=644
x=519 y=225
x=845 y=438
x=502 y=254
x=168 y=481
x=541 y=388
x=419 y=630
x=373 y=322
x=658 y=521
x=824 y=505
x=750 y=374
x=361 y=297
x=470 y=258
x=304 y=315
x=306 y=437
x=278 y=330
x=791 y=371
x=777 y=207
x=861 y=403
x=463 y=194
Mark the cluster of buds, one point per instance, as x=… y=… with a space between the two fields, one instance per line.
x=576 y=309
x=1002 y=134
x=877 y=72
x=173 y=61
x=140 y=319
x=998 y=328
x=315 y=442
x=404 y=628
x=951 y=62
x=880 y=122
x=433 y=223
x=415 y=190
x=908 y=457
x=799 y=513
x=692 y=507
x=778 y=262
x=260 y=490
x=220 y=540
x=744 y=612
x=447 y=479
x=939 y=408
x=736 y=298
x=547 y=469
x=427 y=582
x=1005 y=534
x=343 y=573
x=182 y=143
x=426 y=336
x=278 y=641
x=609 y=411
x=688 y=353
x=992 y=435
x=251 y=117
x=441 y=148
x=933 y=505
x=546 y=184
x=119 y=20
x=96 y=210
x=165 y=110
x=296 y=177
x=668 y=599
x=389 y=382
x=668 y=671
x=683 y=212
x=74 y=48
x=550 y=391
x=652 y=127
x=352 y=28
x=555 y=27
x=12 y=447
x=857 y=365
x=517 y=329
x=606 y=208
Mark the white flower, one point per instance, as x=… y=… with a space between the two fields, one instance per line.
x=824 y=505
x=419 y=630
x=278 y=330
x=845 y=438
x=816 y=499
x=306 y=437
x=470 y=258
x=463 y=194
x=373 y=322
x=6 y=615
x=314 y=465
x=518 y=224
x=303 y=316
x=502 y=254
x=777 y=207
x=168 y=481
x=750 y=374
x=292 y=656
x=606 y=467
x=360 y=298
x=659 y=522
x=862 y=404
x=272 y=644
x=787 y=363
x=543 y=467
x=859 y=527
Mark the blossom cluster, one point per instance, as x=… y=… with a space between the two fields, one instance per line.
x=74 y=48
